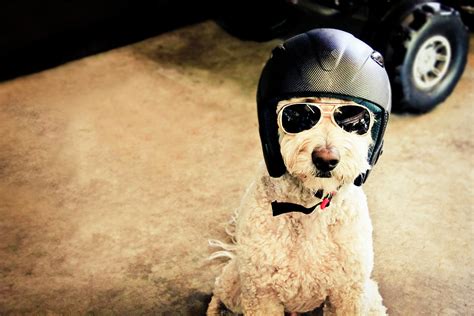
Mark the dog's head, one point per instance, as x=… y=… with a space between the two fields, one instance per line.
x=326 y=63
x=327 y=149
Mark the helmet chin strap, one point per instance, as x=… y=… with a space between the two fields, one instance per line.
x=361 y=178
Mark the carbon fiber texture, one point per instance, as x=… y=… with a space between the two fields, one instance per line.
x=322 y=61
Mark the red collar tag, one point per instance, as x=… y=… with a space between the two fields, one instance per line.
x=327 y=200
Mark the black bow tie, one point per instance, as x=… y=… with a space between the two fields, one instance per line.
x=286 y=207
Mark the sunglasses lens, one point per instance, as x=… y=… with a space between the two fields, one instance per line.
x=353 y=119
x=299 y=117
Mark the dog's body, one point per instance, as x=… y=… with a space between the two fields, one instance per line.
x=295 y=262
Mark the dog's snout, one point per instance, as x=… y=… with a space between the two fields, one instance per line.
x=325 y=159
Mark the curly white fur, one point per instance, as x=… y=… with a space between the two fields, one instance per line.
x=295 y=262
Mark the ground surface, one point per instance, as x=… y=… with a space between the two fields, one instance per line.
x=116 y=169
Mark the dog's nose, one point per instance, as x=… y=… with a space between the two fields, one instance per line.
x=325 y=158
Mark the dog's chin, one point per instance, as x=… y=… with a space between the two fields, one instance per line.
x=325 y=181
x=323 y=174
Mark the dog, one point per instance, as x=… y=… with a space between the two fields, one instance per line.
x=296 y=262
x=302 y=236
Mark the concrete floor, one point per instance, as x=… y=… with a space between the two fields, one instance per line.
x=116 y=169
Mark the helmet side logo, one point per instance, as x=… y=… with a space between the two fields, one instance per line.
x=377 y=57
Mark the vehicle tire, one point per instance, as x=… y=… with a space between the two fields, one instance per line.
x=426 y=56
x=260 y=20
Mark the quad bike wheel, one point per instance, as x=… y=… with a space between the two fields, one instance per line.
x=426 y=57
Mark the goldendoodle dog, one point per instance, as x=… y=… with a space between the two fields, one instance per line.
x=302 y=236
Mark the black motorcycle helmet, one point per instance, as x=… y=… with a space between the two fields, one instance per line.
x=322 y=63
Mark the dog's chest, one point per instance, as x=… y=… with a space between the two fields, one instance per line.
x=307 y=262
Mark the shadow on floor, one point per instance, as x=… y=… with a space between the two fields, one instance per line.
x=29 y=46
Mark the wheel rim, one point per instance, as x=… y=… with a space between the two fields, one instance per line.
x=431 y=62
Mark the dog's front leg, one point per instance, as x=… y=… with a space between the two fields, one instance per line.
x=261 y=305
x=345 y=301
x=259 y=301
x=365 y=301
x=372 y=301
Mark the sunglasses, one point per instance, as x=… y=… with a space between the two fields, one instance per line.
x=294 y=118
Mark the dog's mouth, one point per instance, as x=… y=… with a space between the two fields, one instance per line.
x=323 y=174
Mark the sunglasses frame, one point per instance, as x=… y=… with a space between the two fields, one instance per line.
x=325 y=113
